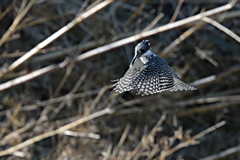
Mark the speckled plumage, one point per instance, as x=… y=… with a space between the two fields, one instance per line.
x=149 y=74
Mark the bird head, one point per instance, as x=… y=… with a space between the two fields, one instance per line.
x=141 y=50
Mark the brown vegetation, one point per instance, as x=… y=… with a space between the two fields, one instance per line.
x=57 y=61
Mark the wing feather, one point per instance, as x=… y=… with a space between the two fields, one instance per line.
x=153 y=77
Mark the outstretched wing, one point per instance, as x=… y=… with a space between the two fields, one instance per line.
x=123 y=84
x=154 y=77
x=157 y=77
x=126 y=82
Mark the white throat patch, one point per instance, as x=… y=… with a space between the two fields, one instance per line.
x=144 y=60
x=144 y=57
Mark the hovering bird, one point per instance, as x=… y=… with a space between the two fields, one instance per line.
x=149 y=74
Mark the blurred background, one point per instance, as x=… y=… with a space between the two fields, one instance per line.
x=161 y=126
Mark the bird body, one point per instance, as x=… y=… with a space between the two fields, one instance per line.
x=149 y=74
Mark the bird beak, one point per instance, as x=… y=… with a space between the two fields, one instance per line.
x=134 y=59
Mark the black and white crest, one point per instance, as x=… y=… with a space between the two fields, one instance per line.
x=149 y=74
x=142 y=47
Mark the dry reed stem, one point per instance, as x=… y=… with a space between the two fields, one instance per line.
x=64 y=79
x=65 y=52
x=135 y=14
x=11 y=118
x=224 y=154
x=177 y=10
x=57 y=131
x=81 y=134
x=93 y=44
x=154 y=130
x=208 y=108
x=191 y=141
x=121 y=141
x=149 y=150
x=214 y=78
x=23 y=11
x=222 y=28
x=157 y=30
x=200 y=83
x=154 y=22
x=16 y=133
x=98 y=97
x=5 y=12
x=56 y=35
x=209 y=99
x=208 y=104
x=98 y=50
x=204 y=55
x=106 y=155
x=67 y=97
x=180 y=39
x=32 y=75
